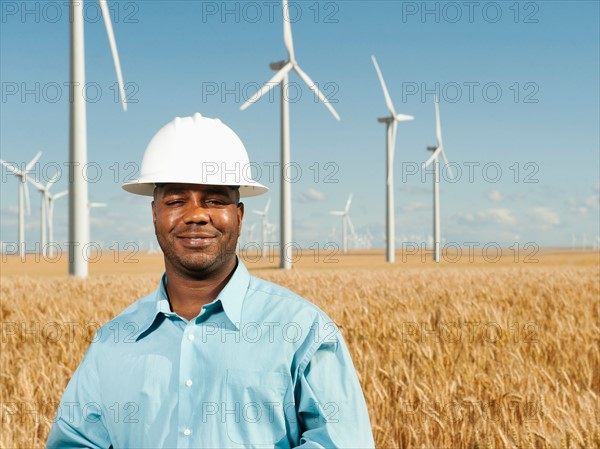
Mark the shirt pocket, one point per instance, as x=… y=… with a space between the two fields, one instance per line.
x=255 y=412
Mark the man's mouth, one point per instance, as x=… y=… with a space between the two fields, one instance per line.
x=196 y=239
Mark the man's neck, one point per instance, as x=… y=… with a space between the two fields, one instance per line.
x=187 y=296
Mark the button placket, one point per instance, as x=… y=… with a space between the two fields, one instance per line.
x=188 y=348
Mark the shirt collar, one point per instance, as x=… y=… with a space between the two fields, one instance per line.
x=233 y=294
x=231 y=298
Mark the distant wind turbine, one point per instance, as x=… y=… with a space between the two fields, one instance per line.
x=46 y=212
x=23 y=197
x=151 y=248
x=250 y=232
x=281 y=77
x=391 y=122
x=265 y=225
x=437 y=150
x=79 y=216
x=333 y=234
x=345 y=223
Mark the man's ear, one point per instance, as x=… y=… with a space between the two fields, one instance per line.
x=240 y=215
x=154 y=215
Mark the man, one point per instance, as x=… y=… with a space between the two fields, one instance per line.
x=214 y=358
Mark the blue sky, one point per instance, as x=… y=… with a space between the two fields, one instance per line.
x=518 y=84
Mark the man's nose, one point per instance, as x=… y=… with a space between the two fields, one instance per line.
x=196 y=213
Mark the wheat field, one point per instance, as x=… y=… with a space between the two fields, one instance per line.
x=460 y=355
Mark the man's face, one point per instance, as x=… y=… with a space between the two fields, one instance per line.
x=197 y=227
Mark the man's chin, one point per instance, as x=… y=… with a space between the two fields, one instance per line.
x=201 y=265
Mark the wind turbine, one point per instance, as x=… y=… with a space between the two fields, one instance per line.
x=152 y=249
x=281 y=77
x=23 y=197
x=391 y=123
x=265 y=224
x=79 y=216
x=333 y=234
x=437 y=150
x=46 y=212
x=345 y=222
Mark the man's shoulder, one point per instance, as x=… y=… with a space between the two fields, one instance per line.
x=136 y=315
x=272 y=291
x=284 y=300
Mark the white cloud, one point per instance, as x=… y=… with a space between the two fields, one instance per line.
x=495 y=196
x=581 y=207
x=546 y=217
x=414 y=206
x=592 y=201
x=501 y=216
x=311 y=195
x=497 y=216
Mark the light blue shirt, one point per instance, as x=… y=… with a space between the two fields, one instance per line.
x=258 y=367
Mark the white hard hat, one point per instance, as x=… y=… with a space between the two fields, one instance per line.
x=195 y=150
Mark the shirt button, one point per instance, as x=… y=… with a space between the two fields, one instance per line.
x=187 y=432
x=189 y=382
x=191 y=337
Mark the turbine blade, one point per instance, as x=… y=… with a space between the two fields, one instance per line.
x=351 y=225
x=38 y=185
x=267 y=206
x=338 y=213
x=316 y=90
x=33 y=161
x=93 y=205
x=51 y=181
x=26 y=192
x=259 y=212
x=60 y=194
x=287 y=31
x=438 y=126
x=113 y=49
x=403 y=117
x=433 y=157
x=388 y=100
x=11 y=167
x=447 y=163
x=268 y=85
x=348 y=204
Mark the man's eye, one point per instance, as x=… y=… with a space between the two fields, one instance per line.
x=174 y=202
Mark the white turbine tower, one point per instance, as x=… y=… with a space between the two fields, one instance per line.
x=281 y=77
x=391 y=123
x=265 y=226
x=79 y=217
x=151 y=248
x=250 y=233
x=345 y=223
x=437 y=150
x=23 y=197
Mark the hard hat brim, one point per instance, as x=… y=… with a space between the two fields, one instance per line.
x=147 y=188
